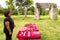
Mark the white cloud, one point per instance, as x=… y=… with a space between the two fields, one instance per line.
x=2 y=2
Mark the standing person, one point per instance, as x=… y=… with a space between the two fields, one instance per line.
x=8 y=25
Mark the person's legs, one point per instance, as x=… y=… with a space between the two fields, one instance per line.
x=8 y=37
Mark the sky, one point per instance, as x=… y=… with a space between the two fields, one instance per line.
x=2 y=2
x=48 y=1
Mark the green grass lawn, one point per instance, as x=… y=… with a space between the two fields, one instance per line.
x=50 y=29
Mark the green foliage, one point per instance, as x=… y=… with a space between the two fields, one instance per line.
x=54 y=5
x=21 y=12
x=30 y=13
x=28 y=2
x=46 y=12
x=15 y=12
x=31 y=10
x=59 y=11
x=10 y=5
x=21 y=4
x=1 y=9
x=42 y=11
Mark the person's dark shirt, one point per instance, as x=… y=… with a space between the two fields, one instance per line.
x=11 y=24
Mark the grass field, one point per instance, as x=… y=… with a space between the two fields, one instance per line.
x=50 y=29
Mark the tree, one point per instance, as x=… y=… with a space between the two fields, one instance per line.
x=31 y=10
x=43 y=11
x=10 y=5
x=23 y=4
x=1 y=9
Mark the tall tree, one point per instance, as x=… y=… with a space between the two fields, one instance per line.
x=23 y=4
x=10 y=5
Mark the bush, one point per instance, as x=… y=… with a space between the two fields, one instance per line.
x=46 y=12
x=1 y=12
x=21 y=12
x=30 y=13
x=15 y=12
x=59 y=11
x=31 y=10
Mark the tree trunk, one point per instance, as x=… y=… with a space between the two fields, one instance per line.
x=25 y=12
